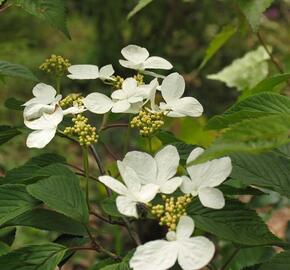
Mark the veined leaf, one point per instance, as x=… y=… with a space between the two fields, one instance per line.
x=280 y=261
x=14 y=201
x=245 y=72
x=7 y=133
x=14 y=104
x=63 y=194
x=253 y=10
x=142 y=4
x=52 y=11
x=235 y=222
x=218 y=41
x=34 y=257
x=250 y=136
x=256 y=106
x=16 y=70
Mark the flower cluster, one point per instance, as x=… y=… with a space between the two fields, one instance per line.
x=144 y=177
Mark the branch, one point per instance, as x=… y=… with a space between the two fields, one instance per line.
x=135 y=237
x=118 y=125
x=110 y=221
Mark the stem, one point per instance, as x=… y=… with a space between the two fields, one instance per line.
x=104 y=121
x=113 y=222
x=230 y=258
x=134 y=236
x=86 y=170
x=150 y=145
x=117 y=125
x=126 y=142
x=57 y=82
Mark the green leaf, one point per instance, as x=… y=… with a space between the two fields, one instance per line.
x=268 y=170
x=109 y=206
x=250 y=136
x=16 y=70
x=250 y=256
x=53 y=12
x=235 y=222
x=46 y=219
x=280 y=261
x=14 y=201
x=7 y=133
x=267 y=85
x=142 y=4
x=101 y=264
x=124 y=265
x=219 y=40
x=245 y=72
x=7 y=235
x=34 y=257
x=259 y=105
x=63 y=194
x=14 y=104
x=253 y=11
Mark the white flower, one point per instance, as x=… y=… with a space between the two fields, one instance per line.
x=130 y=194
x=192 y=253
x=172 y=89
x=129 y=99
x=44 y=101
x=205 y=177
x=90 y=72
x=138 y=58
x=159 y=170
x=44 y=128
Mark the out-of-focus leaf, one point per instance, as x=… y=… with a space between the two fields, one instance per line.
x=14 y=104
x=280 y=261
x=7 y=235
x=253 y=11
x=142 y=4
x=16 y=70
x=53 y=12
x=218 y=41
x=4 y=248
x=265 y=170
x=63 y=194
x=250 y=136
x=253 y=107
x=109 y=206
x=34 y=257
x=235 y=222
x=245 y=72
x=7 y=133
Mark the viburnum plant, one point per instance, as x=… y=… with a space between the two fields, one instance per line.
x=189 y=192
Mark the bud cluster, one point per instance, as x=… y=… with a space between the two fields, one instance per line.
x=56 y=65
x=147 y=122
x=118 y=82
x=171 y=210
x=72 y=100
x=139 y=78
x=85 y=133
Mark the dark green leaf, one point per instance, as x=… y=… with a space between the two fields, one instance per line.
x=16 y=70
x=280 y=261
x=7 y=133
x=34 y=257
x=219 y=40
x=109 y=206
x=45 y=219
x=252 y=107
x=124 y=265
x=14 y=201
x=253 y=10
x=101 y=264
x=7 y=235
x=268 y=170
x=235 y=222
x=14 y=104
x=138 y=7
x=52 y=11
x=63 y=194
x=4 y=248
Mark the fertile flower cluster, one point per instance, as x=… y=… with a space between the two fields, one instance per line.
x=145 y=177
x=55 y=65
x=84 y=132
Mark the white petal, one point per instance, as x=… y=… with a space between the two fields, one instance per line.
x=147 y=193
x=127 y=206
x=74 y=110
x=83 y=72
x=172 y=87
x=129 y=86
x=155 y=62
x=98 y=103
x=185 y=228
x=113 y=184
x=188 y=186
x=44 y=90
x=135 y=54
x=187 y=106
x=211 y=197
x=129 y=64
x=195 y=253
x=143 y=164
x=120 y=106
x=155 y=255
x=106 y=72
x=171 y=185
x=118 y=94
x=135 y=99
x=131 y=180
x=35 y=110
x=167 y=160
x=40 y=138
x=147 y=91
x=134 y=108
